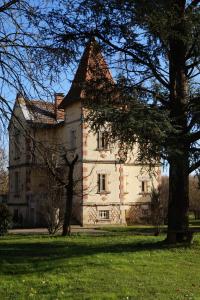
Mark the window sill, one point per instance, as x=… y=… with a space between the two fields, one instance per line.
x=144 y=193
x=103 y=193
x=102 y=149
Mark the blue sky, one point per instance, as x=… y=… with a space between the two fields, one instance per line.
x=62 y=85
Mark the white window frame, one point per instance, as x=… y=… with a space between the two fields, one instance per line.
x=144 y=186
x=102 y=182
x=104 y=214
x=102 y=140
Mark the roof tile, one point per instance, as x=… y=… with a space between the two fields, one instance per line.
x=92 y=67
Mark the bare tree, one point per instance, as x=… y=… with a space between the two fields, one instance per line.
x=69 y=187
x=159 y=204
x=65 y=171
x=3 y=173
x=60 y=166
x=52 y=205
x=164 y=195
x=194 y=193
x=19 y=70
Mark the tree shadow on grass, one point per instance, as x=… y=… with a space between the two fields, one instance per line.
x=45 y=256
x=145 y=231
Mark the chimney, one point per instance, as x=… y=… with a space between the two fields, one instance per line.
x=59 y=112
x=20 y=98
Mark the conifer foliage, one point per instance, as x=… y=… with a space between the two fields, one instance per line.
x=154 y=47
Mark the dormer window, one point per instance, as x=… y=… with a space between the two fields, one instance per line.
x=102 y=140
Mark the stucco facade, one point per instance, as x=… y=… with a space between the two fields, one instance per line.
x=108 y=192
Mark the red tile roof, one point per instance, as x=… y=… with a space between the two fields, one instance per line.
x=41 y=112
x=92 y=66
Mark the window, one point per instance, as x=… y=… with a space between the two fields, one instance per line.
x=17 y=144
x=144 y=186
x=102 y=140
x=126 y=184
x=73 y=139
x=33 y=151
x=16 y=182
x=104 y=214
x=102 y=184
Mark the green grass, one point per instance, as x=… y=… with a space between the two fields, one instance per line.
x=118 y=266
x=195 y=223
x=143 y=229
x=135 y=229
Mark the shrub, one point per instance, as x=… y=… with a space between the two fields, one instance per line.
x=5 y=218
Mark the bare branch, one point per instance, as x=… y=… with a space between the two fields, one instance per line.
x=137 y=58
x=192 y=5
x=193 y=137
x=194 y=167
x=8 y=5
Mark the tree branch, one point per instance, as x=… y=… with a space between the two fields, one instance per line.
x=194 y=121
x=194 y=149
x=193 y=65
x=194 y=137
x=149 y=64
x=7 y=5
x=192 y=5
x=72 y=163
x=193 y=167
x=53 y=172
x=156 y=95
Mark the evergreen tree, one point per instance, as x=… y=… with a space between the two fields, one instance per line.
x=155 y=48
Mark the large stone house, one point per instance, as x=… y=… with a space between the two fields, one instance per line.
x=109 y=192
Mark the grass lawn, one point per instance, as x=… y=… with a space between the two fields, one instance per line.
x=114 y=266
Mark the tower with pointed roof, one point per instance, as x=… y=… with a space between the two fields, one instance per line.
x=112 y=192
x=107 y=191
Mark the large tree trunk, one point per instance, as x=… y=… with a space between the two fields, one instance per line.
x=69 y=195
x=68 y=211
x=178 y=200
x=178 y=148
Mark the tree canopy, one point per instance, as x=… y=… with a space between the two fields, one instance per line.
x=154 y=49
x=138 y=37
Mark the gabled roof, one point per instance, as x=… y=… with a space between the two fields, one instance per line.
x=38 y=112
x=92 y=66
x=41 y=112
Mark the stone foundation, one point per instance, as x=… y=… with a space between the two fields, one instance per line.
x=116 y=214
